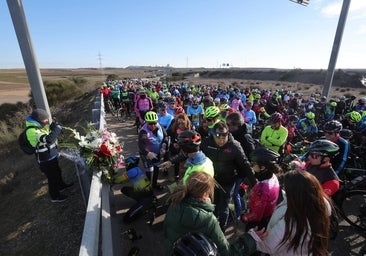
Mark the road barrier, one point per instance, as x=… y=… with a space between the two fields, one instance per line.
x=97 y=233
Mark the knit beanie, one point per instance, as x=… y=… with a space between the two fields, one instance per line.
x=39 y=114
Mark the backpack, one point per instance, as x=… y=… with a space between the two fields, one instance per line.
x=24 y=142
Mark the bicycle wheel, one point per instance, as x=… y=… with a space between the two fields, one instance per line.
x=121 y=115
x=351 y=208
x=111 y=108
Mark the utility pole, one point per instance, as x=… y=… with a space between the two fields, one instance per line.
x=29 y=57
x=101 y=66
x=336 y=46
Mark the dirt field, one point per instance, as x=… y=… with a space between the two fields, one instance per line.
x=13 y=92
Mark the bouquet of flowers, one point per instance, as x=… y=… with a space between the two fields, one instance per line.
x=101 y=149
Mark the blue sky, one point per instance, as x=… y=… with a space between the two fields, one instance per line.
x=189 y=33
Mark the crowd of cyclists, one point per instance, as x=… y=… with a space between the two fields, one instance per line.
x=303 y=116
x=266 y=124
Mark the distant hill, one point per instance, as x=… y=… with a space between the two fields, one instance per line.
x=341 y=78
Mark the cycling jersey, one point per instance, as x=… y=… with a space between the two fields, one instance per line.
x=195 y=114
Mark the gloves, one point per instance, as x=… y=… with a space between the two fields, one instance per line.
x=55 y=124
x=165 y=165
x=151 y=155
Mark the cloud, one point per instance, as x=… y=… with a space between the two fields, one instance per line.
x=361 y=30
x=357 y=9
x=331 y=10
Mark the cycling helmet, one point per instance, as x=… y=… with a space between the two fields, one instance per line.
x=193 y=245
x=275 y=118
x=363 y=100
x=257 y=96
x=162 y=105
x=326 y=147
x=223 y=100
x=263 y=102
x=333 y=104
x=346 y=133
x=342 y=98
x=363 y=113
x=178 y=110
x=131 y=162
x=189 y=141
x=332 y=126
x=212 y=112
x=151 y=116
x=224 y=107
x=354 y=116
x=310 y=115
x=263 y=155
x=293 y=118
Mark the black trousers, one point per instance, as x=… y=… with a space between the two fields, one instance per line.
x=52 y=171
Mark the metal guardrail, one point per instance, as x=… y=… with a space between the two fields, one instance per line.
x=97 y=233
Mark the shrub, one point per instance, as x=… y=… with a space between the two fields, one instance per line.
x=61 y=90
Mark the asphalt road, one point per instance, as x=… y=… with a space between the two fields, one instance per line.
x=348 y=242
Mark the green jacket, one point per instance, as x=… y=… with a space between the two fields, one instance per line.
x=192 y=215
x=273 y=139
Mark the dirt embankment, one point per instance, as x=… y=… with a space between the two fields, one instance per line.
x=341 y=78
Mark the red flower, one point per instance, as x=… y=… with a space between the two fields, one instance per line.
x=104 y=150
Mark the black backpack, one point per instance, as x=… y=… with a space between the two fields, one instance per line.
x=24 y=142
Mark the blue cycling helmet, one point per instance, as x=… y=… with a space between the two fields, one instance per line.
x=131 y=162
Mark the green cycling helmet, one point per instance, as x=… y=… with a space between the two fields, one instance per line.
x=310 y=115
x=354 y=116
x=212 y=112
x=333 y=104
x=224 y=107
x=151 y=116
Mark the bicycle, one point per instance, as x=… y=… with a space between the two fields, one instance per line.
x=351 y=197
x=110 y=107
x=122 y=112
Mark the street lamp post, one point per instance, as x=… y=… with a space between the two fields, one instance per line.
x=336 y=46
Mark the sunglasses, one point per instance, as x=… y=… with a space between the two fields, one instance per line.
x=315 y=155
x=221 y=134
x=152 y=123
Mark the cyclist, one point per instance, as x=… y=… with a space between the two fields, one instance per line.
x=224 y=111
x=351 y=121
x=126 y=100
x=212 y=116
x=319 y=156
x=140 y=189
x=195 y=113
x=237 y=104
x=291 y=127
x=274 y=135
x=332 y=132
x=249 y=115
x=264 y=194
x=116 y=97
x=143 y=104
x=152 y=142
x=164 y=118
x=330 y=110
x=307 y=126
x=361 y=105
